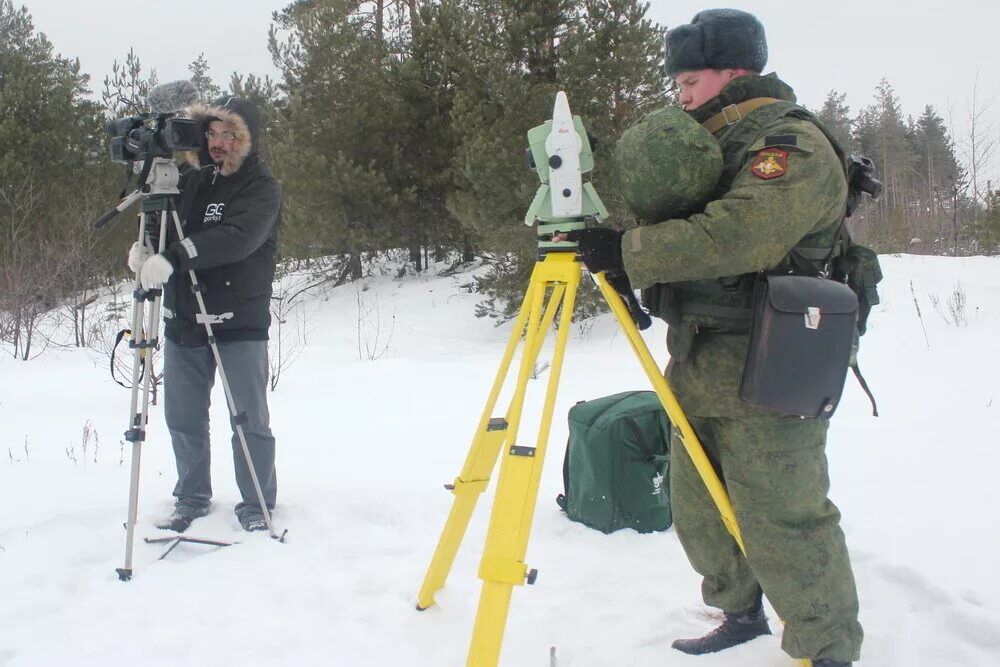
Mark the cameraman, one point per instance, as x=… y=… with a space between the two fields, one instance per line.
x=230 y=208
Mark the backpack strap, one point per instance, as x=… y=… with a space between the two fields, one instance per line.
x=864 y=385
x=734 y=113
x=735 y=138
x=819 y=260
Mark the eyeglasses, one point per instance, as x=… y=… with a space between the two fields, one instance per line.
x=225 y=136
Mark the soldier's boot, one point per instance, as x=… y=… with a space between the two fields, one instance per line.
x=737 y=628
x=830 y=663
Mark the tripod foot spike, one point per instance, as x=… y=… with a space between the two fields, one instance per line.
x=124 y=574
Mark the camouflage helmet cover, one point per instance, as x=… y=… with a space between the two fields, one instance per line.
x=667 y=165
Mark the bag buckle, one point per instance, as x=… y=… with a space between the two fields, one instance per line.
x=812 y=317
x=736 y=113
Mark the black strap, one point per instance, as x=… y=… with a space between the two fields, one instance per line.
x=864 y=385
x=562 y=499
x=620 y=283
x=118 y=339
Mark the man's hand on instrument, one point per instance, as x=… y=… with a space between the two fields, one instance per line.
x=600 y=248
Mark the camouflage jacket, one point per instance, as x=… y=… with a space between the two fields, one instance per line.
x=789 y=185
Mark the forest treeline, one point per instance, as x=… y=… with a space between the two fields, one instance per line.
x=400 y=125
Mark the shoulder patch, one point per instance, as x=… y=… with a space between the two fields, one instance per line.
x=769 y=163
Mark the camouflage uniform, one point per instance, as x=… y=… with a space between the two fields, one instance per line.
x=784 y=183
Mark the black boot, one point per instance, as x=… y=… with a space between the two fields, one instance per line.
x=736 y=629
x=181 y=518
x=176 y=522
x=830 y=663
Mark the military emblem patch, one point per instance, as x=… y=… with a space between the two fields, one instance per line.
x=769 y=163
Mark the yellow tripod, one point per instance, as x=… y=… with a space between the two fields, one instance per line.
x=554 y=282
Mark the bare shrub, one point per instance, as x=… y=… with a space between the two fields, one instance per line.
x=373 y=334
x=953 y=312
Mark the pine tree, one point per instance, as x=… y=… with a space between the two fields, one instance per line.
x=835 y=115
x=987 y=227
x=937 y=171
x=881 y=133
x=265 y=94
x=54 y=179
x=426 y=77
x=612 y=66
x=125 y=89
x=207 y=90
x=604 y=54
x=340 y=154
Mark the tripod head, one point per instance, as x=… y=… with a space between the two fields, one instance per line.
x=158 y=178
x=559 y=151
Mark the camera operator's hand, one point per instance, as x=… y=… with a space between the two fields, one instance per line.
x=155 y=271
x=600 y=248
x=137 y=256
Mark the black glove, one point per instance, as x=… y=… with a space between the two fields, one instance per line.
x=600 y=248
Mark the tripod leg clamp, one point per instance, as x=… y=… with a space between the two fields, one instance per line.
x=503 y=571
x=460 y=487
x=135 y=435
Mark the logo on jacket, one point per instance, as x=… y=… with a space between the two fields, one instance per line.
x=770 y=163
x=213 y=212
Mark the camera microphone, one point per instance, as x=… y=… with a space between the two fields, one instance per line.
x=172 y=97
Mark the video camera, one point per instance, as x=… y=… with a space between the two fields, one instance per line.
x=145 y=144
x=157 y=133
x=152 y=135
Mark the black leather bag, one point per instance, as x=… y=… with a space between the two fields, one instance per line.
x=800 y=345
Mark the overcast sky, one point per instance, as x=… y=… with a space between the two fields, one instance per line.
x=931 y=51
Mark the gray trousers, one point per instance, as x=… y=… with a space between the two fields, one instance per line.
x=188 y=376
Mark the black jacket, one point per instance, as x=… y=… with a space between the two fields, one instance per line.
x=230 y=215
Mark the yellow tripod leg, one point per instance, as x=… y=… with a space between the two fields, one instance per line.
x=688 y=438
x=484 y=451
x=502 y=566
x=673 y=408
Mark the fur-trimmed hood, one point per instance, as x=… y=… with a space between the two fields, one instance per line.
x=241 y=117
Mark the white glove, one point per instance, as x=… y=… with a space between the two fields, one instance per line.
x=155 y=271
x=137 y=254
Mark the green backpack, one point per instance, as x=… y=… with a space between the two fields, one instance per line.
x=615 y=472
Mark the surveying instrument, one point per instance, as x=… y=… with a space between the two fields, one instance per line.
x=560 y=152
x=157 y=188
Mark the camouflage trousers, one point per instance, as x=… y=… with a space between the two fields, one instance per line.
x=775 y=471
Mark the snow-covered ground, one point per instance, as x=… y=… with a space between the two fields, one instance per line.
x=365 y=445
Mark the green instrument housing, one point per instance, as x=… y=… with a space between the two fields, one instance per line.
x=592 y=209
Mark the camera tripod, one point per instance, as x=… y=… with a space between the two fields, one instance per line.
x=158 y=191
x=560 y=159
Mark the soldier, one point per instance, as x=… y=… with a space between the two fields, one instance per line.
x=783 y=187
